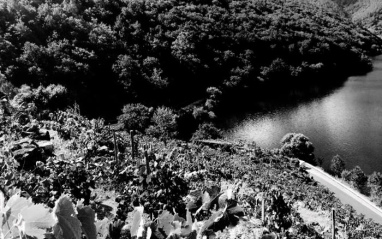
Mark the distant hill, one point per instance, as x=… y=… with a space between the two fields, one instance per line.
x=365 y=12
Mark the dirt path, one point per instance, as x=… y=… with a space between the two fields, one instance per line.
x=347 y=195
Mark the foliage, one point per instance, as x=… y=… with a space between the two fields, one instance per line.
x=206 y=131
x=6 y=87
x=173 y=189
x=164 y=123
x=52 y=97
x=374 y=182
x=135 y=117
x=20 y=217
x=346 y=175
x=357 y=177
x=163 y=53
x=365 y=13
x=299 y=146
x=337 y=165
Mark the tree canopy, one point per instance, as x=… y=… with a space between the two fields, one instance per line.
x=165 y=52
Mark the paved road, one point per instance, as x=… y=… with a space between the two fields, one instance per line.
x=347 y=195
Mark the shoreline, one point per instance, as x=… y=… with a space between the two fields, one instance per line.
x=329 y=181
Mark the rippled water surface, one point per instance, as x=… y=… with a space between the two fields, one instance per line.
x=347 y=122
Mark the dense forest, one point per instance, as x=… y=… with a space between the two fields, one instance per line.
x=102 y=54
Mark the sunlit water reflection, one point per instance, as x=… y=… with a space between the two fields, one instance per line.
x=347 y=122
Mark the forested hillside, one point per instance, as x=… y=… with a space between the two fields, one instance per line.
x=365 y=12
x=106 y=53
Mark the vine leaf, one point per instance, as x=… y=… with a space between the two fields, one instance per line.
x=187 y=228
x=68 y=226
x=148 y=233
x=102 y=228
x=176 y=229
x=37 y=219
x=2 y=201
x=165 y=220
x=137 y=221
x=2 y=205
x=11 y=212
x=86 y=215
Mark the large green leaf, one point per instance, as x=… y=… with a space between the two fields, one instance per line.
x=68 y=226
x=11 y=213
x=102 y=228
x=86 y=215
x=37 y=219
x=165 y=220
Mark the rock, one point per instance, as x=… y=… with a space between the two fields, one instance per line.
x=103 y=149
x=42 y=135
x=32 y=129
x=27 y=157
x=27 y=152
x=47 y=146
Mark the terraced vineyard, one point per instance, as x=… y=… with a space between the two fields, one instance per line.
x=156 y=189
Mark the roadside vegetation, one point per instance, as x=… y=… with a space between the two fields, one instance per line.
x=369 y=185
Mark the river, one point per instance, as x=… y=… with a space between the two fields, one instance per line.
x=347 y=121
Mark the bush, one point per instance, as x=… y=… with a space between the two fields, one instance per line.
x=358 y=178
x=374 y=182
x=299 y=146
x=6 y=87
x=51 y=98
x=135 y=117
x=345 y=175
x=164 y=124
x=206 y=131
x=337 y=165
x=200 y=114
x=57 y=97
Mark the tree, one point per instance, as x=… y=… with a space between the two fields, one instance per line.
x=164 y=124
x=135 y=117
x=337 y=165
x=345 y=175
x=374 y=182
x=357 y=177
x=297 y=145
x=207 y=131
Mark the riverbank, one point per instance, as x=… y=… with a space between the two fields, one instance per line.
x=345 y=194
x=345 y=121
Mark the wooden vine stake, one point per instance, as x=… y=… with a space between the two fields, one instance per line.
x=333 y=224
x=262 y=210
x=132 y=145
x=147 y=159
x=115 y=148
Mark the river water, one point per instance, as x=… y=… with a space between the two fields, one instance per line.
x=346 y=121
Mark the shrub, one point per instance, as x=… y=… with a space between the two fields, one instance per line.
x=164 y=124
x=200 y=114
x=358 y=178
x=299 y=146
x=206 y=131
x=345 y=175
x=6 y=87
x=53 y=97
x=57 y=97
x=135 y=117
x=337 y=165
x=374 y=182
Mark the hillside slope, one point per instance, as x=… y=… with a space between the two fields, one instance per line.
x=109 y=53
x=365 y=12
